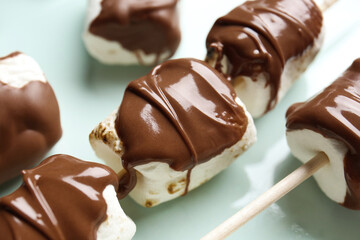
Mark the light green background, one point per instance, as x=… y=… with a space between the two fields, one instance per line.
x=50 y=31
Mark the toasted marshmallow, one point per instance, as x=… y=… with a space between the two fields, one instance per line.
x=256 y=94
x=29 y=115
x=156 y=181
x=117 y=225
x=86 y=190
x=177 y=127
x=262 y=64
x=112 y=51
x=329 y=123
x=18 y=70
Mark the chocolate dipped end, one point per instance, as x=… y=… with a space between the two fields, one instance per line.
x=29 y=125
x=60 y=199
x=335 y=113
x=183 y=113
x=260 y=36
x=150 y=26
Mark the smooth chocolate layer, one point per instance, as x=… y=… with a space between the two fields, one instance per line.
x=29 y=125
x=335 y=113
x=260 y=36
x=151 y=26
x=60 y=199
x=183 y=113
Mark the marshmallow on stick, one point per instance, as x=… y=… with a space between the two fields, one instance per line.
x=29 y=115
x=323 y=133
x=263 y=46
x=330 y=123
x=176 y=128
x=132 y=32
x=65 y=198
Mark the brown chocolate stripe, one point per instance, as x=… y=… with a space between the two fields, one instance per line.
x=11 y=55
x=152 y=26
x=260 y=36
x=60 y=199
x=183 y=113
x=335 y=113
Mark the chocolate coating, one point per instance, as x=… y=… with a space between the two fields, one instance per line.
x=151 y=26
x=335 y=113
x=183 y=113
x=59 y=199
x=29 y=125
x=260 y=36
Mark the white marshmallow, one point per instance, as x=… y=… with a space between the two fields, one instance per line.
x=117 y=225
x=157 y=182
x=111 y=52
x=305 y=144
x=19 y=70
x=256 y=94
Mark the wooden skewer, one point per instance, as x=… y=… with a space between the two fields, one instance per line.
x=269 y=197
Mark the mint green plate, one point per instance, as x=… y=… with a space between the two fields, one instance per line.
x=50 y=31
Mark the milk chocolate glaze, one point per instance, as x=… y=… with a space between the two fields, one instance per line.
x=29 y=125
x=260 y=36
x=183 y=113
x=61 y=199
x=335 y=113
x=151 y=25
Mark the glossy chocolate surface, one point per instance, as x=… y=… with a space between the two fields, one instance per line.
x=60 y=199
x=183 y=113
x=260 y=36
x=29 y=125
x=151 y=25
x=335 y=113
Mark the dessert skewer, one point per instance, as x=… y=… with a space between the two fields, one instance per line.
x=325 y=129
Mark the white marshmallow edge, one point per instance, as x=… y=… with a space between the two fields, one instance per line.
x=305 y=144
x=19 y=70
x=117 y=225
x=111 y=52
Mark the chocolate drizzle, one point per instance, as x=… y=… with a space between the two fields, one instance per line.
x=29 y=125
x=335 y=113
x=151 y=25
x=60 y=199
x=11 y=55
x=183 y=113
x=260 y=36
